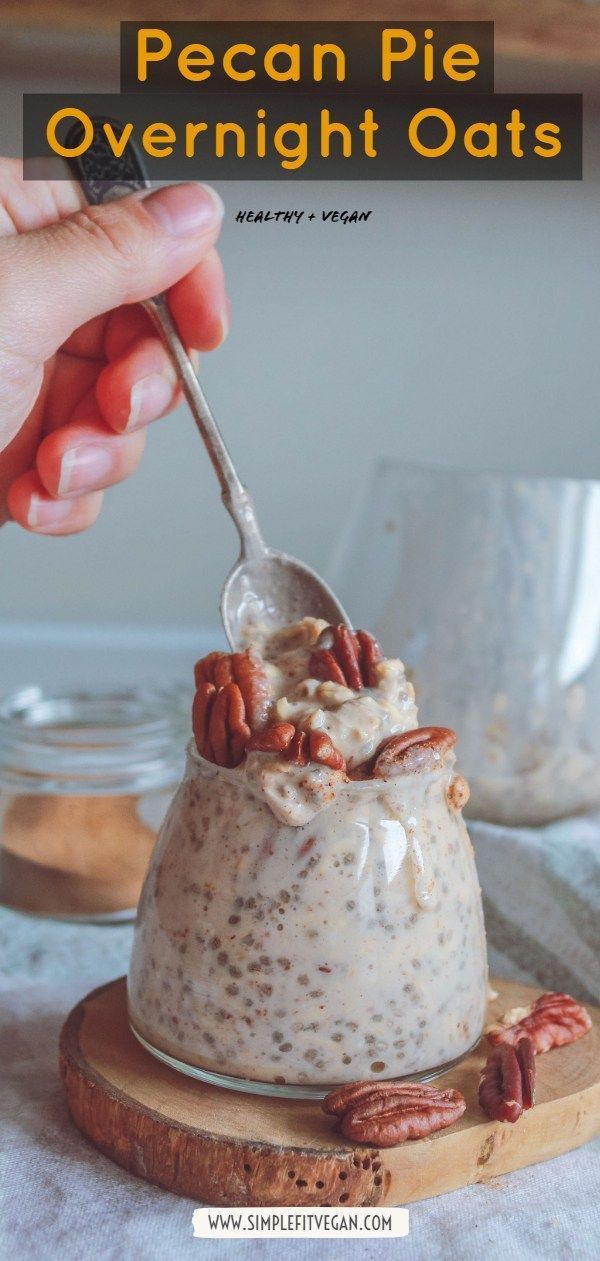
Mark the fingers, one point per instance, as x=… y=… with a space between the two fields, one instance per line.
x=105 y=336
x=35 y=203
x=138 y=387
x=140 y=384
x=57 y=278
x=32 y=507
x=200 y=306
x=63 y=495
x=85 y=457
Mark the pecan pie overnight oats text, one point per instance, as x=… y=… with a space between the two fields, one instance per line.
x=312 y=913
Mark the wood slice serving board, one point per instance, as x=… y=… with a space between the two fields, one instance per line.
x=226 y=1148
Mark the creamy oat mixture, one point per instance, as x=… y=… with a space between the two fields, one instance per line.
x=356 y=722
x=302 y=928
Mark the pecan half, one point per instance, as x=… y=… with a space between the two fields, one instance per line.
x=297 y=746
x=370 y=655
x=297 y=750
x=424 y=748
x=507 y=1081
x=346 y=651
x=217 y=727
x=203 y=700
x=386 y=1114
x=322 y=750
x=552 y=1020
x=251 y=677
x=323 y=665
x=219 y=724
x=246 y=670
x=273 y=739
x=346 y=657
x=204 y=670
x=526 y=1058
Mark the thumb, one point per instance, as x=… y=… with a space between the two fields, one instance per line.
x=55 y=279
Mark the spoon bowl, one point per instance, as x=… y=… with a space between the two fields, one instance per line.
x=271 y=589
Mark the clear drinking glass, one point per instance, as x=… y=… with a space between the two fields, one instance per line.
x=488 y=587
x=286 y=960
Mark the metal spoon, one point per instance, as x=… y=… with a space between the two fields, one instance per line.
x=264 y=586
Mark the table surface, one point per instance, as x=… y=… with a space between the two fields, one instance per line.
x=59 y=1197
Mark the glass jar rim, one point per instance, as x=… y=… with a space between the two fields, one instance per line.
x=349 y=787
x=123 y=741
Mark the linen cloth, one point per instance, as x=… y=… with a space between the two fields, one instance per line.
x=59 y=1197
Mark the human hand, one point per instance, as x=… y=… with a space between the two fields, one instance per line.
x=82 y=369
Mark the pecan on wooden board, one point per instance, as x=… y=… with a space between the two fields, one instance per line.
x=346 y=657
x=526 y=1058
x=385 y=1114
x=507 y=1082
x=421 y=749
x=551 y=1020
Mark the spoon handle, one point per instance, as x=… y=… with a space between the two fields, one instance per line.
x=233 y=493
x=103 y=177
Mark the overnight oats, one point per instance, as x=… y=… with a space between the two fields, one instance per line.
x=312 y=913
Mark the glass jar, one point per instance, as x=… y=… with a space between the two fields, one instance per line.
x=85 y=780
x=490 y=584
x=287 y=960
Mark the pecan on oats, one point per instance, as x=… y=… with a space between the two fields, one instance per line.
x=203 y=700
x=346 y=657
x=274 y=738
x=251 y=677
x=246 y=670
x=219 y=723
x=297 y=750
x=323 y=665
x=370 y=655
x=424 y=748
x=217 y=726
x=297 y=746
x=507 y=1081
x=552 y=1020
x=346 y=652
x=322 y=749
x=386 y=1114
x=204 y=670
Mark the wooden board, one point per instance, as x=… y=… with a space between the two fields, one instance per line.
x=226 y=1148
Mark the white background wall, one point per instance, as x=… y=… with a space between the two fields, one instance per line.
x=460 y=325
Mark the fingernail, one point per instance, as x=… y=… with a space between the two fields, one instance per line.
x=225 y=323
x=182 y=209
x=83 y=468
x=43 y=512
x=149 y=397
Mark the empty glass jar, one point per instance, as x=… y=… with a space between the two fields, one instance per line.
x=85 y=779
x=489 y=588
